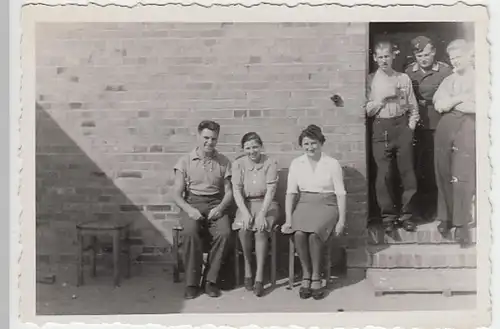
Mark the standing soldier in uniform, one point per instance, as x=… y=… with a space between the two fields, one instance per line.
x=392 y=103
x=426 y=74
x=455 y=147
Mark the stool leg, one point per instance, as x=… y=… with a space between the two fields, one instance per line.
x=273 y=258
x=128 y=254
x=94 y=256
x=175 y=252
x=291 y=260
x=79 y=263
x=116 y=257
x=237 y=262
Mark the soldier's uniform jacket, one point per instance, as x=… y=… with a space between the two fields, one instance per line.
x=425 y=85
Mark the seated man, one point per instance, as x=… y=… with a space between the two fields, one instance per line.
x=203 y=191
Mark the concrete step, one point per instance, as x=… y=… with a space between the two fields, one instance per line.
x=445 y=281
x=422 y=256
x=411 y=256
x=427 y=233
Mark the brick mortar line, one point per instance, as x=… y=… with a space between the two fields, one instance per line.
x=194 y=90
x=264 y=65
x=196 y=36
x=139 y=109
x=222 y=118
x=177 y=153
x=186 y=110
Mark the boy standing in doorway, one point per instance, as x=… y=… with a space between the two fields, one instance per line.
x=392 y=103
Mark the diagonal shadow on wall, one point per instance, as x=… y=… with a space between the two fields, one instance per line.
x=72 y=188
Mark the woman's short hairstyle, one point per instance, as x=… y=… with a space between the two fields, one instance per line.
x=251 y=136
x=210 y=125
x=312 y=132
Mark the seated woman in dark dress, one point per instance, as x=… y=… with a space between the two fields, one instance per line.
x=315 y=206
x=254 y=178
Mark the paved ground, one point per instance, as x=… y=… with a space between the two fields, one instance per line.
x=153 y=291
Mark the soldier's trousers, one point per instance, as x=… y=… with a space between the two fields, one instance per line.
x=200 y=234
x=426 y=196
x=455 y=163
x=424 y=162
x=392 y=140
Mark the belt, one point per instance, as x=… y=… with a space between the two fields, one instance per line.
x=255 y=197
x=460 y=114
x=391 y=118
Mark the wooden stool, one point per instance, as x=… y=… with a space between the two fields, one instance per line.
x=291 y=261
x=176 y=252
x=119 y=231
x=273 y=252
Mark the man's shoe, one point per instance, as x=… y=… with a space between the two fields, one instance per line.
x=212 y=290
x=444 y=228
x=191 y=292
x=389 y=226
x=462 y=236
x=407 y=223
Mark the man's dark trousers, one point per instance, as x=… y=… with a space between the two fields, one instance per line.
x=194 y=233
x=392 y=140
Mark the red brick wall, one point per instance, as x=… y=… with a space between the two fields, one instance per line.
x=117 y=104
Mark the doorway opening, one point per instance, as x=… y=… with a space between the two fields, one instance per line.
x=401 y=33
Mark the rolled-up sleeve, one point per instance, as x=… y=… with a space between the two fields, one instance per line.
x=237 y=175
x=412 y=100
x=442 y=95
x=272 y=173
x=292 y=183
x=338 y=179
x=181 y=166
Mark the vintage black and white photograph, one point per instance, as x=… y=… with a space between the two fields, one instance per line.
x=256 y=167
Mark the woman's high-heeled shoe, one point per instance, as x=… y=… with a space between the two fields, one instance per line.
x=258 y=289
x=248 y=284
x=318 y=293
x=305 y=292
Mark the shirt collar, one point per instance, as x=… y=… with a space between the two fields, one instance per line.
x=303 y=158
x=194 y=155
x=253 y=165
x=435 y=67
x=381 y=72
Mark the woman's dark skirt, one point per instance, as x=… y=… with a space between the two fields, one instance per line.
x=316 y=213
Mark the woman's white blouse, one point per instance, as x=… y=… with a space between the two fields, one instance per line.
x=326 y=178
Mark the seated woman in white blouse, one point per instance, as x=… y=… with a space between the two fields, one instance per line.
x=315 y=206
